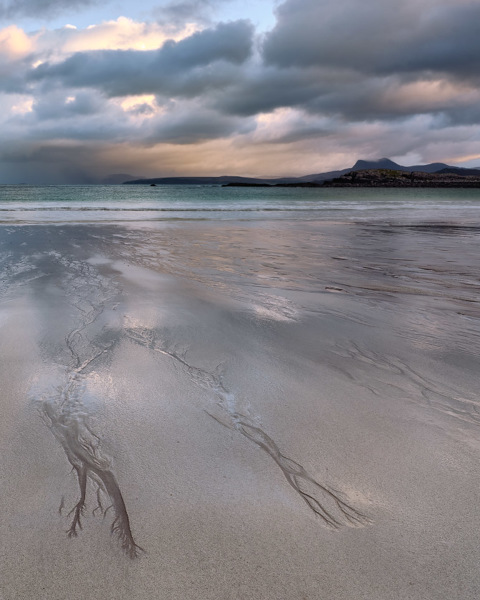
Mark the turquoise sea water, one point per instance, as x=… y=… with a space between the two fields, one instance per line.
x=122 y=203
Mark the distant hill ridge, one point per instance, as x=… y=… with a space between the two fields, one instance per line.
x=360 y=165
x=116 y=178
x=386 y=163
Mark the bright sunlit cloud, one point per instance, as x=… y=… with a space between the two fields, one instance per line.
x=14 y=42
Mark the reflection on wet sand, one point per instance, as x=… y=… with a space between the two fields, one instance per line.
x=355 y=303
x=89 y=344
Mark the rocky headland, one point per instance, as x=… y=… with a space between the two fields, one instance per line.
x=396 y=178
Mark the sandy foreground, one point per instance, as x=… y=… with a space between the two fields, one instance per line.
x=266 y=411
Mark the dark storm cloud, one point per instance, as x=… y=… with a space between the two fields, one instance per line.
x=88 y=115
x=40 y=8
x=300 y=64
x=184 y=67
x=347 y=95
x=264 y=89
x=12 y=80
x=53 y=106
x=376 y=37
x=82 y=119
x=365 y=61
x=197 y=126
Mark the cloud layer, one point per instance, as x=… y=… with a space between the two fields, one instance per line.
x=184 y=68
x=377 y=38
x=40 y=8
x=331 y=82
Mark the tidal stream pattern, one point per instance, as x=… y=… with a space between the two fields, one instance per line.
x=90 y=296
x=67 y=416
x=327 y=503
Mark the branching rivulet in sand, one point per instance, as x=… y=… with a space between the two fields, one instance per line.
x=326 y=503
x=378 y=372
x=67 y=418
x=82 y=453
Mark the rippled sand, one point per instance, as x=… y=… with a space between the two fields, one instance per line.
x=239 y=410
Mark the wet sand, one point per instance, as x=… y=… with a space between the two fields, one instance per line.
x=239 y=410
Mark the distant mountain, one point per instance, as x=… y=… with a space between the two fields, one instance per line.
x=460 y=171
x=360 y=165
x=381 y=163
x=386 y=163
x=117 y=178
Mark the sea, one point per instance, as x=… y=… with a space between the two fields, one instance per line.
x=140 y=203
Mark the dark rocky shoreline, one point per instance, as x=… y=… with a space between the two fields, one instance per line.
x=393 y=178
x=381 y=178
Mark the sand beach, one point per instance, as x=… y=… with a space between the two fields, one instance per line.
x=265 y=410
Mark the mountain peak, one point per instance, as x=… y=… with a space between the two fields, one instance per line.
x=379 y=163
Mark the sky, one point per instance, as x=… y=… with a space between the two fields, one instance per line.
x=266 y=88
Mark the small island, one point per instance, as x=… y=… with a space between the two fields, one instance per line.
x=303 y=184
